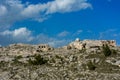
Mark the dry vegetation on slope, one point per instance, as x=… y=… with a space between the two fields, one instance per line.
x=20 y=62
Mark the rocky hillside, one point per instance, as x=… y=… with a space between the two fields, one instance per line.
x=25 y=62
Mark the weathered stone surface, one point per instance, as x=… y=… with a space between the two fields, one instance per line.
x=63 y=64
x=91 y=44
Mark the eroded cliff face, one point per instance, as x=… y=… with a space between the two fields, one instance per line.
x=26 y=62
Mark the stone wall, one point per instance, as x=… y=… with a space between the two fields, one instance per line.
x=88 y=44
x=43 y=47
x=99 y=43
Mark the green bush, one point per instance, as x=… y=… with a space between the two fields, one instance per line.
x=16 y=59
x=91 y=66
x=38 y=60
x=114 y=52
x=106 y=50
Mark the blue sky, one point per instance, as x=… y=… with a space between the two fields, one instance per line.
x=58 y=22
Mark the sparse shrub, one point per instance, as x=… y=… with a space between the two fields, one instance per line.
x=16 y=59
x=19 y=57
x=113 y=61
x=91 y=65
x=53 y=60
x=83 y=50
x=38 y=60
x=69 y=47
x=2 y=63
x=106 y=50
x=58 y=57
x=114 y=52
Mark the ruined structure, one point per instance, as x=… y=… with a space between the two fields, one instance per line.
x=43 y=47
x=99 y=43
x=77 y=44
x=90 y=44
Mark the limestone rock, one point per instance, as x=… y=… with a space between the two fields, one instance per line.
x=91 y=44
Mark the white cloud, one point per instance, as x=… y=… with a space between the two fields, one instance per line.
x=51 y=7
x=32 y=11
x=18 y=35
x=63 y=34
x=12 y=11
x=77 y=32
x=52 y=41
x=59 y=43
x=63 y=6
x=23 y=35
x=3 y=10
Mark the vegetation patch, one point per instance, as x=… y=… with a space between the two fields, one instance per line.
x=106 y=50
x=16 y=59
x=100 y=56
x=91 y=65
x=105 y=67
x=3 y=63
x=38 y=60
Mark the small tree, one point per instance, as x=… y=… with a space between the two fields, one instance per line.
x=91 y=66
x=106 y=50
x=16 y=59
x=38 y=60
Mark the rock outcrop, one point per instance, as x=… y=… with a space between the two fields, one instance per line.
x=89 y=44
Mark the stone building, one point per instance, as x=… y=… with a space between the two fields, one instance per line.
x=44 y=47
